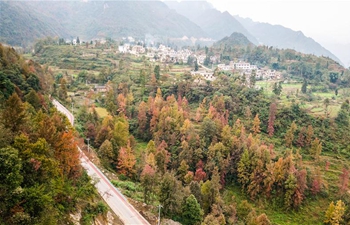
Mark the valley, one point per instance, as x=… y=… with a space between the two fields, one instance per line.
x=152 y=112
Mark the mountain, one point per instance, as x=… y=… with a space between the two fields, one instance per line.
x=190 y=9
x=90 y=20
x=235 y=39
x=215 y=23
x=219 y=25
x=282 y=37
x=20 y=26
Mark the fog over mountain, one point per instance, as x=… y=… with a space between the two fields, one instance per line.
x=217 y=23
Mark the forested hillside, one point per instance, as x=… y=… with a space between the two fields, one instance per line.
x=25 y=21
x=42 y=181
x=222 y=151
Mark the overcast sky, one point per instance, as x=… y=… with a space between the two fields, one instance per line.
x=327 y=22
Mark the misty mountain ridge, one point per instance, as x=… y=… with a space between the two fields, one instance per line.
x=215 y=23
x=221 y=24
x=285 y=38
x=92 y=19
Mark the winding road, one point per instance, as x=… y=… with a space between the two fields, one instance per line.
x=116 y=201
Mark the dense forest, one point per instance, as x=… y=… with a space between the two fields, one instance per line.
x=219 y=152
x=209 y=152
x=42 y=181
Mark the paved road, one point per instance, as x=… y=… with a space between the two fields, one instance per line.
x=116 y=201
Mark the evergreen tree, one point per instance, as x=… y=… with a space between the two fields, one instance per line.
x=272 y=118
x=191 y=211
x=304 y=86
x=157 y=72
x=195 y=65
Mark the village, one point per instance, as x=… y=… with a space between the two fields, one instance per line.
x=165 y=54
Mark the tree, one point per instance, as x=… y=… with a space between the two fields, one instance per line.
x=122 y=103
x=316 y=181
x=289 y=137
x=62 y=92
x=148 y=181
x=344 y=181
x=11 y=179
x=256 y=125
x=272 y=118
x=191 y=211
x=277 y=88
x=309 y=135
x=210 y=191
x=208 y=131
x=244 y=167
x=335 y=213
x=195 y=65
x=316 y=149
x=143 y=120
x=170 y=194
x=10 y=171
x=66 y=152
x=252 y=79
x=263 y=220
x=106 y=151
x=304 y=86
x=33 y=98
x=342 y=118
x=13 y=114
x=126 y=161
x=121 y=132
x=157 y=72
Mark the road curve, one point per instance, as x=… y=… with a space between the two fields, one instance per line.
x=116 y=201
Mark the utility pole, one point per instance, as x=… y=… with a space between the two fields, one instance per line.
x=159 y=206
x=72 y=108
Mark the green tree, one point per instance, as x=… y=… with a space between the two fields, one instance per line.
x=208 y=131
x=170 y=195
x=33 y=98
x=11 y=179
x=121 y=132
x=277 y=88
x=110 y=101
x=157 y=72
x=191 y=211
x=252 y=79
x=195 y=65
x=106 y=151
x=304 y=86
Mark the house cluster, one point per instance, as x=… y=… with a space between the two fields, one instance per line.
x=247 y=69
x=168 y=55
x=207 y=75
x=135 y=49
x=213 y=59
